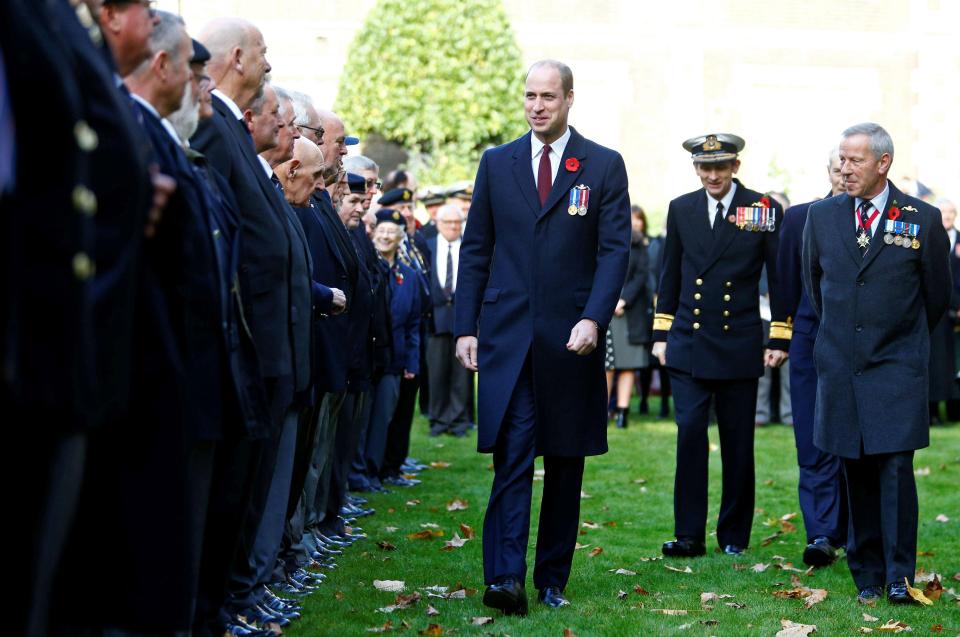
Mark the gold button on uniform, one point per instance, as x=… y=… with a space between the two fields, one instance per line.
x=86 y=137
x=83 y=267
x=697 y=296
x=84 y=200
x=696 y=311
x=726 y=312
x=729 y=284
x=699 y=281
x=726 y=297
x=696 y=326
x=726 y=328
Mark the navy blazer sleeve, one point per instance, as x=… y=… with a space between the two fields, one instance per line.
x=810 y=258
x=668 y=295
x=476 y=251
x=788 y=258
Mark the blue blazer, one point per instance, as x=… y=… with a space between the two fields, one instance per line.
x=404 y=319
x=528 y=273
x=876 y=313
x=789 y=265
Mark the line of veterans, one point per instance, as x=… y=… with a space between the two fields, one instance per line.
x=857 y=282
x=212 y=339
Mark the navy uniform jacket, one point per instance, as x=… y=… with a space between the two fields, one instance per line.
x=708 y=307
x=264 y=241
x=790 y=269
x=46 y=319
x=528 y=273
x=876 y=313
x=404 y=319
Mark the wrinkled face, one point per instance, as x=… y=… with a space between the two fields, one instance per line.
x=313 y=129
x=338 y=189
x=406 y=209
x=303 y=183
x=333 y=143
x=129 y=26
x=864 y=174
x=176 y=76
x=717 y=177
x=288 y=133
x=254 y=61
x=369 y=221
x=265 y=127
x=948 y=212
x=836 y=177
x=387 y=237
x=450 y=227
x=545 y=104
x=372 y=179
x=351 y=209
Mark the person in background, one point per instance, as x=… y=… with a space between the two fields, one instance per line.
x=943 y=350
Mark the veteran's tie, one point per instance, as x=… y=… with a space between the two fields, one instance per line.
x=448 y=278
x=863 y=227
x=718 y=217
x=544 y=175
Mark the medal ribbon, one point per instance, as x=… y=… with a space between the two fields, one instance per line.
x=869 y=220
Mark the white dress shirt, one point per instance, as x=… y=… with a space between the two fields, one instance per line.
x=952 y=233
x=167 y=126
x=229 y=102
x=266 y=167
x=727 y=201
x=556 y=154
x=442 y=259
x=879 y=203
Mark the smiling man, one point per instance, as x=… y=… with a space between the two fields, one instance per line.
x=544 y=256
x=877 y=273
x=707 y=332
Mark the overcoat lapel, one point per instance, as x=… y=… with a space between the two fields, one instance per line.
x=843 y=219
x=565 y=179
x=723 y=235
x=523 y=173
x=876 y=242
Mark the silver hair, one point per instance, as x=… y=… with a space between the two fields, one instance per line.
x=834 y=154
x=168 y=34
x=186 y=119
x=880 y=141
x=943 y=201
x=301 y=101
x=450 y=209
x=358 y=163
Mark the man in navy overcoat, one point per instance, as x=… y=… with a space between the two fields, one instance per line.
x=877 y=272
x=541 y=268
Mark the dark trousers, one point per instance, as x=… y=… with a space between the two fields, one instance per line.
x=398 y=432
x=506 y=525
x=449 y=386
x=882 y=538
x=736 y=403
x=345 y=446
x=369 y=458
x=44 y=506
x=243 y=575
x=823 y=497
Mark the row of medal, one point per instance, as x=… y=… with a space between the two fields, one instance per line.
x=579 y=200
x=754 y=219
x=901 y=233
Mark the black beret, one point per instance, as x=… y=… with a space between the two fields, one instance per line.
x=397 y=195
x=200 y=54
x=389 y=215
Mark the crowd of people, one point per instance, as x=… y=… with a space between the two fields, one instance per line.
x=214 y=339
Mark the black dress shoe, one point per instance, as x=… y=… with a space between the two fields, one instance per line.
x=684 y=547
x=869 y=594
x=733 y=549
x=897 y=594
x=553 y=597
x=506 y=595
x=623 y=419
x=820 y=552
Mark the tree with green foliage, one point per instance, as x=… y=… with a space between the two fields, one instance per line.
x=441 y=78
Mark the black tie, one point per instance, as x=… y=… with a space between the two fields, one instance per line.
x=276 y=183
x=864 y=227
x=448 y=279
x=718 y=218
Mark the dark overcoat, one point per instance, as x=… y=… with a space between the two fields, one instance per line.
x=876 y=313
x=528 y=273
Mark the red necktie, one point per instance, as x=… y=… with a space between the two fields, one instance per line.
x=544 y=175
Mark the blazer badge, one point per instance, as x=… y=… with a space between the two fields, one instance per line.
x=579 y=200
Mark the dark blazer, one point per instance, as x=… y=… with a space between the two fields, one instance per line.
x=304 y=294
x=47 y=346
x=265 y=244
x=360 y=319
x=876 y=313
x=790 y=268
x=638 y=291
x=528 y=273
x=404 y=319
x=443 y=317
x=708 y=307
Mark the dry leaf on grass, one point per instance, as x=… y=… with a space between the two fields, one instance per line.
x=735 y=605
x=936 y=628
x=439 y=464
x=655 y=558
x=922 y=471
x=793 y=629
x=467 y=532
x=386 y=546
x=942 y=518
x=767 y=541
x=579 y=547
x=870 y=618
x=759 y=567
x=457 y=504
x=707 y=600
x=391 y=529
x=431 y=611
x=934 y=589
x=425 y=534
x=640 y=590
x=454 y=543
x=587 y=524
x=669 y=611
x=810 y=596
x=338 y=596
x=685 y=569
x=412 y=503
x=893 y=626
x=595 y=551
x=622 y=571
x=387 y=627
x=389 y=585
x=432 y=630
x=917 y=594
x=429 y=525
x=567 y=632
x=584 y=495
x=622 y=594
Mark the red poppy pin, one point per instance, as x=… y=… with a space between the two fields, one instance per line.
x=572 y=164
x=894 y=213
x=765 y=201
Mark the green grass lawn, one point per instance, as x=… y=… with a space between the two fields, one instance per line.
x=631 y=501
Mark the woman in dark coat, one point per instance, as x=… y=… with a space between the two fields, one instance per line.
x=632 y=322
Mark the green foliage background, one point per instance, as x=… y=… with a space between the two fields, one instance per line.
x=442 y=78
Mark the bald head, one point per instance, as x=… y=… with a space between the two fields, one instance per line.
x=303 y=174
x=238 y=58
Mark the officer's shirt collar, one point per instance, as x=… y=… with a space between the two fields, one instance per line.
x=727 y=201
x=879 y=203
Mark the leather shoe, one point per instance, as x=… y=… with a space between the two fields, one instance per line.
x=869 y=594
x=553 y=597
x=684 y=547
x=897 y=594
x=506 y=595
x=820 y=552
x=398 y=481
x=733 y=549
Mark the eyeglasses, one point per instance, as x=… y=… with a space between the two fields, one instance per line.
x=374 y=182
x=317 y=131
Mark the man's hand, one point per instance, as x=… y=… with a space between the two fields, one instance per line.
x=339 y=302
x=774 y=357
x=467 y=352
x=408 y=375
x=583 y=337
x=621 y=308
x=163 y=187
x=660 y=351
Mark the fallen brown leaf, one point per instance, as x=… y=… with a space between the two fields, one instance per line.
x=793 y=629
x=934 y=589
x=429 y=525
x=640 y=590
x=926 y=554
x=431 y=611
x=767 y=541
x=405 y=601
x=870 y=618
x=338 y=596
x=735 y=605
x=936 y=628
x=386 y=546
x=640 y=481
x=917 y=594
x=567 y=632
x=584 y=495
x=387 y=627
x=579 y=547
x=685 y=569
x=595 y=551
x=457 y=505
x=768 y=483
x=467 y=532
x=439 y=464
x=425 y=534
x=622 y=571
x=587 y=524
x=709 y=622
x=454 y=543
x=412 y=503
x=391 y=529
x=611 y=523
x=432 y=630
x=669 y=611
x=893 y=626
